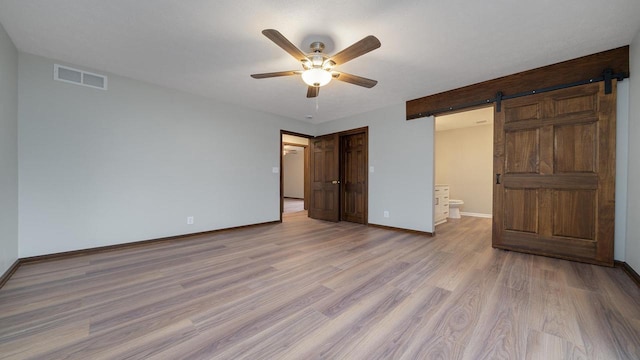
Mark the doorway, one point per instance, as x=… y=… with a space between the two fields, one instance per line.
x=294 y=174
x=295 y=168
x=463 y=167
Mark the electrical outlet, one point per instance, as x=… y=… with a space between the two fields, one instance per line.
x=189 y=220
x=386 y=213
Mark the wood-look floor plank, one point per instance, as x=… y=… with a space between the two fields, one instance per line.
x=219 y=338
x=502 y=330
x=597 y=336
x=344 y=299
x=422 y=271
x=400 y=326
x=550 y=313
x=460 y=316
x=271 y=342
x=435 y=347
x=151 y=343
x=581 y=276
x=311 y=289
x=328 y=342
x=620 y=290
x=541 y=346
x=450 y=274
x=24 y=347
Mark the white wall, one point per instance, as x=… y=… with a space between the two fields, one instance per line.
x=632 y=248
x=105 y=167
x=8 y=152
x=401 y=153
x=464 y=161
x=99 y=168
x=293 y=174
x=622 y=154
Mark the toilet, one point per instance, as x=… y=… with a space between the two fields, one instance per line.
x=454 y=208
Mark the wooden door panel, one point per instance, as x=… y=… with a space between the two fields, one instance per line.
x=575 y=214
x=585 y=102
x=520 y=112
x=521 y=210
x=556 y=154
x=575 y=148
x=317 y=169
x=522 y=152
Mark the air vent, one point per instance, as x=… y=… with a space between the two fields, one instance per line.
x=79 y=77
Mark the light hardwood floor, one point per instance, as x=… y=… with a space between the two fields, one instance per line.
x=293 y=205
x=309 y=289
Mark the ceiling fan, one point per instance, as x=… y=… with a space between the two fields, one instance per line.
x=318 y=66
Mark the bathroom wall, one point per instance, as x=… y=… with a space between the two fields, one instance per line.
x=464 y=160
x=293 y=174
x=293 y=168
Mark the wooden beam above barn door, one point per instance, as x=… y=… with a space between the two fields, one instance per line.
x=571 y=71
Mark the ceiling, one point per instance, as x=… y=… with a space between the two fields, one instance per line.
x=464 y=119
x=210 y=47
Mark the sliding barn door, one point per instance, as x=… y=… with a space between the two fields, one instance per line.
x=554 y=162
x=324 y=202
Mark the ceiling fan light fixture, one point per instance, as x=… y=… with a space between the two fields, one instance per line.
x=318 y=67
x=316 y=77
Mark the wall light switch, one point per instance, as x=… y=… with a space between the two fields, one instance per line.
x=275 y=170
x=371 y=169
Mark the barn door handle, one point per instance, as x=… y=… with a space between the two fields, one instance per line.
x=498 y=179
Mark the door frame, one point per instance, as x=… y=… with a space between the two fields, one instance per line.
x=306 y=185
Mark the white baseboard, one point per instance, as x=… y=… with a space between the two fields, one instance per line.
x=480 y=215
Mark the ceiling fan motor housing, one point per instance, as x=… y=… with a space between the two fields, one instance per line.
x=317 y=47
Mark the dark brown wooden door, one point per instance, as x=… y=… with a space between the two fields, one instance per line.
x=324 y=201
x=354 y=178
x=555 y=153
